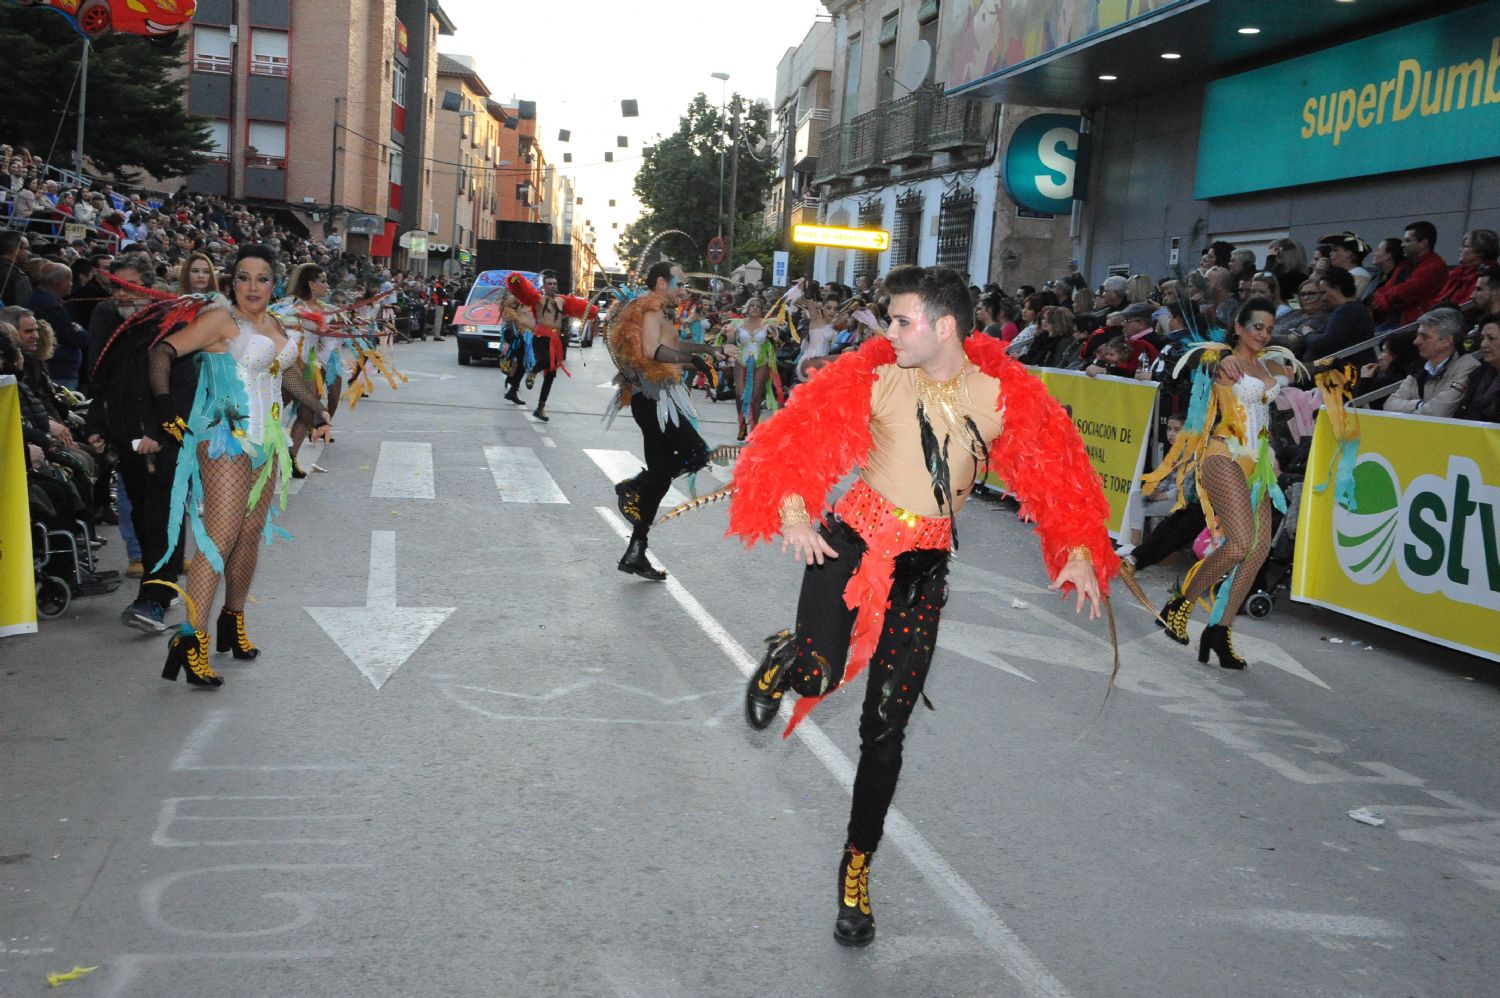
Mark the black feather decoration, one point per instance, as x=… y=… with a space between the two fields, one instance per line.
x=937 y=467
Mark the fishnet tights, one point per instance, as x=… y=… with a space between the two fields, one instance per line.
x=1243 y=545
x=234 y=530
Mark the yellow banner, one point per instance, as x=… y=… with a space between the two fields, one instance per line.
x=1114 y=417
x=1418 y=550
x=17 y=572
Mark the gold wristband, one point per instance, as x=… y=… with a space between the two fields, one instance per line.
x=793 y=511
x=1080 y=552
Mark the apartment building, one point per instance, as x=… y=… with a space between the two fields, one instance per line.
x=804 y=90
x=331 y=126
x=899 y=154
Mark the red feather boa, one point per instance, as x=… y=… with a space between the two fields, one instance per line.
x=824 y=431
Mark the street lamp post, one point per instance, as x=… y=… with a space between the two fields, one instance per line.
x=723 y=79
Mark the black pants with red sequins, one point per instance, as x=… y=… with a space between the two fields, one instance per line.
x=896 y=673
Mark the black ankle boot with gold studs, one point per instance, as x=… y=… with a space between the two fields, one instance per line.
x=1218 y=639
x=855 y=925
x=768 y=682
x=231 y=634
x=1174 y=618
x=188 y=650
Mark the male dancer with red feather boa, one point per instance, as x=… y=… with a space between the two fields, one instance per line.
x=922 y=412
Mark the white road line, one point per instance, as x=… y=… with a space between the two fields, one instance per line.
x=307 y=456
x=520 y=477
x=1030 y=975
x=621 y=464
x=403 y=471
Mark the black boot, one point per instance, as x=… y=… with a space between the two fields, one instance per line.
x=635 y=562
x=1216 y=639
x=189 y=648
x=1174 y=618
x=763 y=692
x=855 y=926
x=511 y=396
x=629 y=501
x=540 y=413
x=231 y=634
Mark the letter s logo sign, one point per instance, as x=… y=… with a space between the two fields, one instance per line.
x=1043 y=162
x=1057 y=162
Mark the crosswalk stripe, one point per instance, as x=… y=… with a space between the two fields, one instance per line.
x=403 y=471
x=621 y=464
x=520 y=477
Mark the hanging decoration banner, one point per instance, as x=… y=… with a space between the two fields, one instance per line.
x=1418 y=548
x=1113 y=415
x=17 y=585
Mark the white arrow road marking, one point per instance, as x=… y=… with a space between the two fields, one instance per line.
x=380 y=636
x=427 y=374
x=969 y=641
x=403 y=471
x=520 y=477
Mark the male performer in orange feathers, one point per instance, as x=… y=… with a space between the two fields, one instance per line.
x=922 y=412
x=649 y=354
x=548 y=342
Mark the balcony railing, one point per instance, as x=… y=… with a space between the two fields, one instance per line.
x=905 y=130
x=866 y=137
x=831 y=154
x=956 y=124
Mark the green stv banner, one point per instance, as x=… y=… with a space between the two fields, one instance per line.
x=1423 y=95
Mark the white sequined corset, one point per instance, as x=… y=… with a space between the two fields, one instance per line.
x=260 y=364
x=1255 y=397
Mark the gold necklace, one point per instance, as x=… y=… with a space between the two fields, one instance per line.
x=948 y=398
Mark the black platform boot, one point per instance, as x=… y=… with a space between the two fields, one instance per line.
x=629 y=501
x=540 y=412
x=1216 y=639
x=1174 y=618
x=230 y=633
x=855 y=926
x=189 y=648
x=511 y=396
x=768 y=682
x=635 y=562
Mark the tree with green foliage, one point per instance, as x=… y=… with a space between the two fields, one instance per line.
x=136 y=117
x=678 y=186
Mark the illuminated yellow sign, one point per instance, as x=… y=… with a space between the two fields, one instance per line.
x=869 y=240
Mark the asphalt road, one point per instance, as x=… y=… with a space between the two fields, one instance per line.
x=474 y=759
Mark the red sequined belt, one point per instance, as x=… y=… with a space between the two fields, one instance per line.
x=888 y=531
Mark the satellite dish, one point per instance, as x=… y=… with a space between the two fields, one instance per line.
x=914 y=73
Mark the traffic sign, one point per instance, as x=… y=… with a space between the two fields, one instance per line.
x=716 y=250
x=868 y=240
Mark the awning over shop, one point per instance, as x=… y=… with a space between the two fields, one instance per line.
x=381 y=242
x=1040 y=65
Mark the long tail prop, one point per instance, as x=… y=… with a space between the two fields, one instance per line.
x=704 y=500
x=725 y=454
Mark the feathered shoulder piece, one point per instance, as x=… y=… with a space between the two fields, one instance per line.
x=151 y=325
x=624 y=341
x=806 y=447
x=526 y=293
x=1040 y=456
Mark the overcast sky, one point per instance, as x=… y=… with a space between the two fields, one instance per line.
x=579 y=58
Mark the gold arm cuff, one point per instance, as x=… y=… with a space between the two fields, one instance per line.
x=794 y=511
x=1080 y=553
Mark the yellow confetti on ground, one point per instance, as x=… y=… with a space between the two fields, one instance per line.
x=56 y=980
